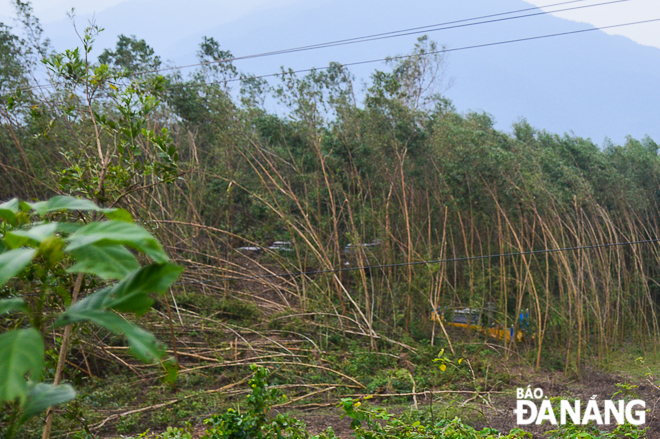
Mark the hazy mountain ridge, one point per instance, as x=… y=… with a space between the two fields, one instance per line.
x=560 y=84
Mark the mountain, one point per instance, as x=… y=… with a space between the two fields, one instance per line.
x=590 y=84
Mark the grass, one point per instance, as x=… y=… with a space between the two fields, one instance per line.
x=630 y=361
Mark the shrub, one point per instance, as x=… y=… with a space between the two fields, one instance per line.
x=255 y=422
x=37 y=256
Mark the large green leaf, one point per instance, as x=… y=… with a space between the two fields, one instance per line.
x=118 y=214
x=42 y=395
x=65 y=202
x=8 y=211
x=12 y=205
x=68 y=228
x=33 y=236
x=97 y=301
x=61 y=202
x=12 y=305
x=117 y=232
x=13 y=262
x=105 y=261
x=143 y=344
x=21 y=352
x=132 y=293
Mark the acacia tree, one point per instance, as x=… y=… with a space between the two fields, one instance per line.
x=18 y=60
x=97 y=117
x=130 y=55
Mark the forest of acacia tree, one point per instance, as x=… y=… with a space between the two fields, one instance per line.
x=213 y=160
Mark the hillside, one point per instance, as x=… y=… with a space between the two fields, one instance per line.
x=356 y=250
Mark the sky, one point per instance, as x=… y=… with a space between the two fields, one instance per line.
x=51 y=10
x=628 y=10
x=623 y=12
x=54 y=10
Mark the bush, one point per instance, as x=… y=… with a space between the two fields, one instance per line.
x=39 y=245
x=255 y=422
x=377 y=423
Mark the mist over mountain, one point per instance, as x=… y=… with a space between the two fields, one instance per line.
x=591 y=84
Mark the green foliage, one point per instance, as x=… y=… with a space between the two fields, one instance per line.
x=255 y=422
x=572 y=431
x=402 y=170
x=43 y=395
x=117 y=148
x=13 y=262
x=12 y=70
x=21 y=353
x=627 y=390
x=117 y=233
x=442 y=361
x=377 y=423
x=366 y=422
x=46 y=245
x=112 y=262
x=131 y=55
x=236 y=309
x=627 y=430
x=176 y=433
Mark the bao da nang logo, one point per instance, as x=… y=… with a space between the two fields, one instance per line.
x=533 y=408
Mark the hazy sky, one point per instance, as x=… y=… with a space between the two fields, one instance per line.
x=229 y=10
x=624 y=12
x=53 y=10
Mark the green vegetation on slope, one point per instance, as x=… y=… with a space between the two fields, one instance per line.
x=398 y=178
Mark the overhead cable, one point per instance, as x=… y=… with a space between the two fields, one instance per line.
x=437 y=261
x=445 y=50
x=393 y=34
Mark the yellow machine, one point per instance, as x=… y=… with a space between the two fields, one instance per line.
x=471 y=318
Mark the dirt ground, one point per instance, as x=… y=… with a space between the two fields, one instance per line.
x=498 y=413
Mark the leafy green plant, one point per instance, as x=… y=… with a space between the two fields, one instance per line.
x=628 y=430
x=177 y=433
x=443 y=360
x=255 y=422
x=367 y=422
x=352 y=410
x=114 y=152
x=626 y=390
x=377 y=423
x=33 y=257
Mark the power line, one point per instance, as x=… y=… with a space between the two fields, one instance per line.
x=393 y=34
x=442 y=24
x=373 y=37
x=427 y=262
x=438 y=261
x=456 y=49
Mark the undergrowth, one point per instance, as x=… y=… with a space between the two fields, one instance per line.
x=255 y=421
